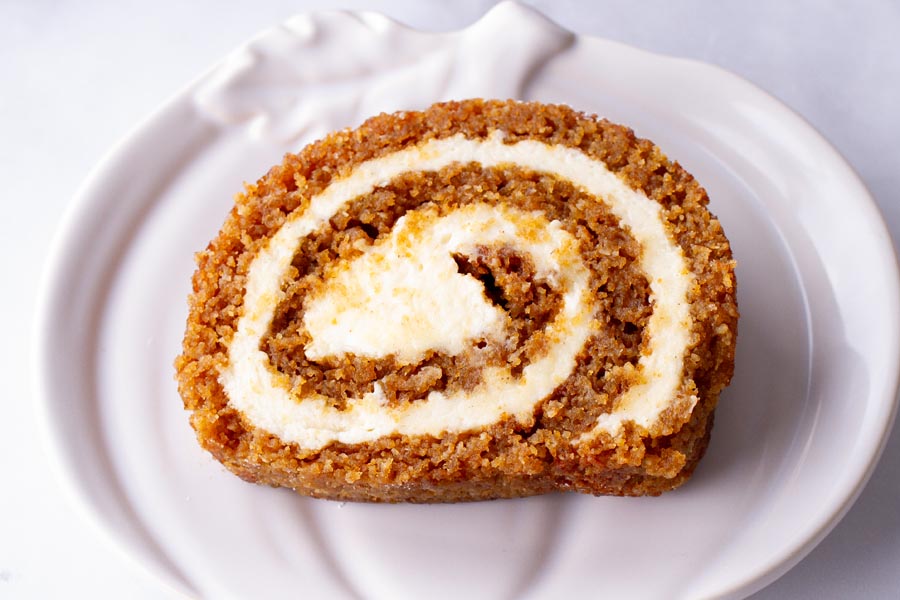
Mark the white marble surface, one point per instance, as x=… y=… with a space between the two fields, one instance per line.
x=75 y=77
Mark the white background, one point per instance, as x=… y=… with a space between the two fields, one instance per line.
x=75 y=77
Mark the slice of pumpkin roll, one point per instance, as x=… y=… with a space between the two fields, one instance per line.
x=482 y=300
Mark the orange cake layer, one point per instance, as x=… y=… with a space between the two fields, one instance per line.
x=485 y=299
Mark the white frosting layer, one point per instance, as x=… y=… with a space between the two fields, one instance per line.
x=262 y=394
x=405 y=295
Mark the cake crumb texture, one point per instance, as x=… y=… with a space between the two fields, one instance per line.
x=509 y=458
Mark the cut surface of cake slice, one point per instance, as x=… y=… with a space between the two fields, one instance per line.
x=485 y=299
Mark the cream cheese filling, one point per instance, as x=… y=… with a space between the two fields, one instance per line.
x=385 y=276
x=405 y=295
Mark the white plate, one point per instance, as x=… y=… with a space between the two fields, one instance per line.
x=796 y=434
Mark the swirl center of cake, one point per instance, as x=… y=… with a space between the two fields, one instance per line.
x=409 y=294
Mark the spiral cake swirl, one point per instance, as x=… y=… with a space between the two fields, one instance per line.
x=485 y=299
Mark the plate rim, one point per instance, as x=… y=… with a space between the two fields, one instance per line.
x=68 y=239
